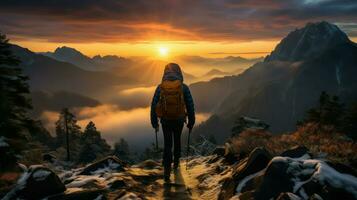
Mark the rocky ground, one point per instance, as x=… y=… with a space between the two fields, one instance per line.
x=294 y=175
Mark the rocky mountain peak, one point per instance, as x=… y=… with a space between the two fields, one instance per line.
x=65 y=51
x=308 y=42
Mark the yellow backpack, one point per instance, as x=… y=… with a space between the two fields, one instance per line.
x=171 y=104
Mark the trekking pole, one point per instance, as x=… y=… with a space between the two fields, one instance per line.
x=157 y=143
x=188 y=145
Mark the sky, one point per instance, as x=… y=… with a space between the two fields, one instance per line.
x=212 y=28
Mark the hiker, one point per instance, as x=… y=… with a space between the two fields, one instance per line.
x=173 y=104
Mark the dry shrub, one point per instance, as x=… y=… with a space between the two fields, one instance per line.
x=248 y=140
x=321 y=141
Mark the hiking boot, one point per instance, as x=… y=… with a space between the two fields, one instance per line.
x=167 y=171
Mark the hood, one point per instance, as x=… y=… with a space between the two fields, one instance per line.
x=172 y=72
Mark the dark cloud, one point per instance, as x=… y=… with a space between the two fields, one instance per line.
x=138 y=20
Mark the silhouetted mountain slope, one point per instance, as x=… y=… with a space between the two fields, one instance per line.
x=44 y=101
x=216 y=72
x=48 y=74
x=280 y=89
x=308 y=42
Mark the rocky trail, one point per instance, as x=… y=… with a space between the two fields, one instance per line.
x=294 y=175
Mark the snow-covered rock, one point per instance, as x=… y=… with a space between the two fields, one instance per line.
x=36 y=183
x=298 y=178
x=108 y=164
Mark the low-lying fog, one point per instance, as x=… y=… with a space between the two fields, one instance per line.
x=115 y=123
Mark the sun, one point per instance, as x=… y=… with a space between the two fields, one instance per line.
x=163 y=51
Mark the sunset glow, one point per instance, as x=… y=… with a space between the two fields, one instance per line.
x=163 y=51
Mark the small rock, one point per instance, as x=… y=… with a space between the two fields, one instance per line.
x=149 y=164
x=117 y=183
x=108 y=163
x=295 y=152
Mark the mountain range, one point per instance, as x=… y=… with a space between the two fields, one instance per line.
x=84 y=80
x=96 y=63
x=318 y=57
x=51 y=75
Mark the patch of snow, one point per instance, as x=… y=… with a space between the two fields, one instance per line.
x=82 y=180
x=325 y=173
x=246 y=179
x=317 y=170
x=252 y=119
x=2 y=142
x=111 y=166
x=22 y=180
x=40 y=175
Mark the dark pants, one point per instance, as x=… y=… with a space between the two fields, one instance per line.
x=172 y=132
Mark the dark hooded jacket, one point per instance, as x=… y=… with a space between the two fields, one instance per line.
x=173 y=72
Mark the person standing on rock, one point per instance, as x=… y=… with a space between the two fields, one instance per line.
x=173 y=104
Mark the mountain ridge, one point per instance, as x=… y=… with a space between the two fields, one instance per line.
x=280 y=91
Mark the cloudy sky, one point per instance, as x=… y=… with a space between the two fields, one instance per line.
x=139 y=27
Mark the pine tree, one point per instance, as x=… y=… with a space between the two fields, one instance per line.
x=68 y=132
x=121 y=150
x=93 y=146
x=91 y=133
x=329 y=111
x=14 y=105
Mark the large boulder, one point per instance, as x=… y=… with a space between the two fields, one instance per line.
x=258 y=159
x=110 y=163
x=36 y=183
x=277 y=179
x=296 y=152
